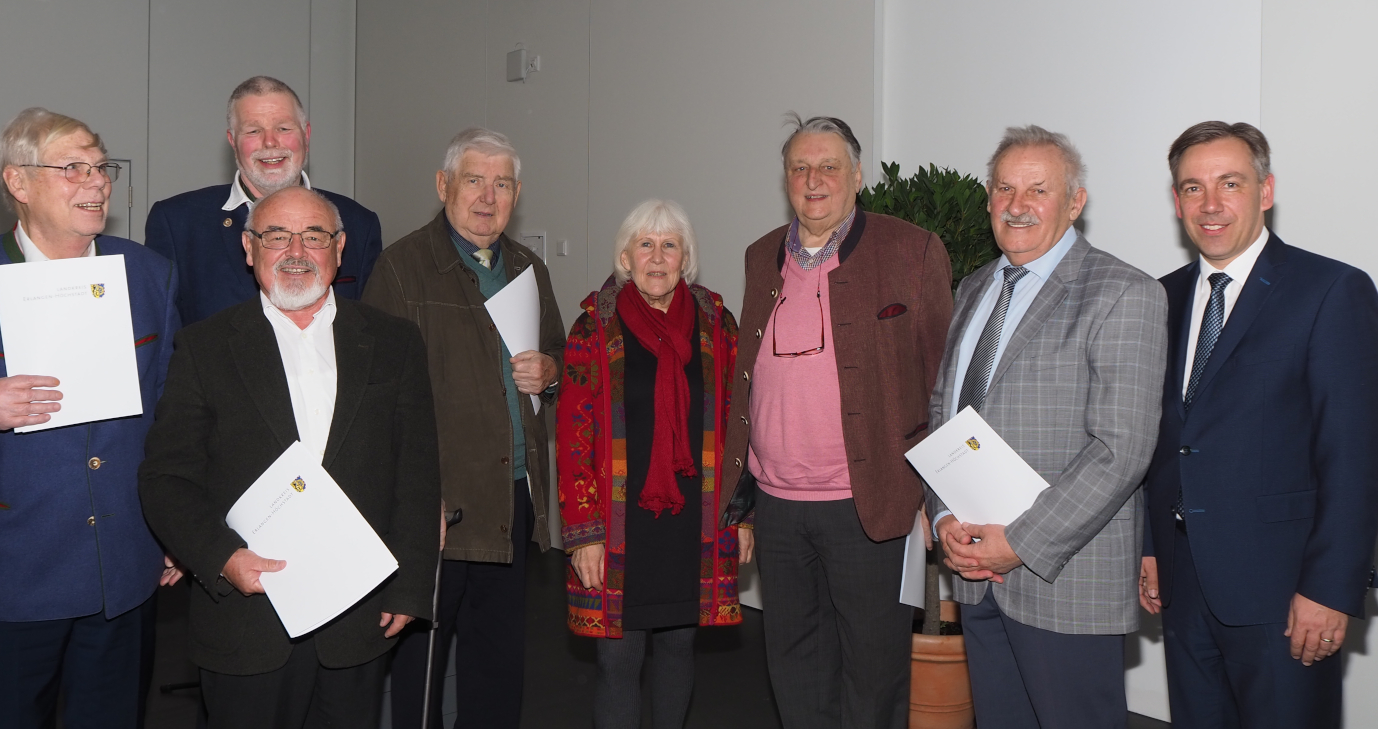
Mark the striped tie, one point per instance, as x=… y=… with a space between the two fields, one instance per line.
x=1211 y=324
x=983 y=359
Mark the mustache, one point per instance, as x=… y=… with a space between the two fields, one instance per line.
x=289 y=262
x=1026 y=219
x=272 y=153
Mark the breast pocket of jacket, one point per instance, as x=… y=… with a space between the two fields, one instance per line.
x=1288 y=506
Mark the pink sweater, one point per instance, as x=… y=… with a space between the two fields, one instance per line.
x=797 y=452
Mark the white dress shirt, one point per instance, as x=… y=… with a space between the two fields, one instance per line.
x=31 y=252
x=239 y=197
x=308 y=357
x=1238 y=271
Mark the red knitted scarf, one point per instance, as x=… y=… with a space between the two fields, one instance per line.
x=669 y=336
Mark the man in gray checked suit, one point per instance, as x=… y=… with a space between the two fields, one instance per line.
x=1061 y=348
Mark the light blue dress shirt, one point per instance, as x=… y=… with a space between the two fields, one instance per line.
x=1025 y=291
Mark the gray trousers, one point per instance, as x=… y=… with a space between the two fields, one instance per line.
x=837 y=637
x=617 y=694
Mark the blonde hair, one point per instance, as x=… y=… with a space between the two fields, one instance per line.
x=657 y=216
x=28 y=134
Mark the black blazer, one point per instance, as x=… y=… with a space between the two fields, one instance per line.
x=1277 y=460
x=226 y=415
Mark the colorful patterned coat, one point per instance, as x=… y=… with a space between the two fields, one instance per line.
x=591 y=460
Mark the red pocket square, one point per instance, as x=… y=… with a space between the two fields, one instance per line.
x=892 y=311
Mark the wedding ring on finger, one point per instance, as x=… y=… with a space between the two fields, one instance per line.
x=1327 y=640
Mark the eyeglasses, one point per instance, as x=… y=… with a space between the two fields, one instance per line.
x=277 y=240
x=775 y=347
x=79 y=172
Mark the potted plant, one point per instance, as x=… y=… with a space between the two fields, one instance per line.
x=953 y=207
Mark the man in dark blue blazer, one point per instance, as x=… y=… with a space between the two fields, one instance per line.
x=1263 y=491
x=78 y=565
x=200 y=230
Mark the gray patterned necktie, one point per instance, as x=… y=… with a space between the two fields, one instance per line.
x=1211 y=324
x=983 y=359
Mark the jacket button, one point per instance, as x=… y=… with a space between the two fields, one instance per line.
x=94 y=464
x=492 y=327
x=502 y=528
x=774 y=293
x=91 y=521
x=758 y=333
x=505 y=459
x=746 y=375
x=744 y=420
x=228 y=222
x=737 y=462
x=1185 y=450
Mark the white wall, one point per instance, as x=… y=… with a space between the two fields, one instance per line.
x=1123 y=80
x=153 y=76
x=634 y=100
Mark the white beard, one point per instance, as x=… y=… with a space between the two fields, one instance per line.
x=295 y=296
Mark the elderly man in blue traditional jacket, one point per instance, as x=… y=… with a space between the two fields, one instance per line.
x=78 y=565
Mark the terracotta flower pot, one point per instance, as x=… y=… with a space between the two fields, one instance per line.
x=939 y=687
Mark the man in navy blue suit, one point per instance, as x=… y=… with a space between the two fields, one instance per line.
x=200 y=230
x=78 y=565
x=1263 y=491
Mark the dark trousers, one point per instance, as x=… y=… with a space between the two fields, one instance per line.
x=1024 y=677
x=837 y=637
x=102 y=667
x=302 y=694
x=617 y=694
x=1225 y=677
x=484 y=603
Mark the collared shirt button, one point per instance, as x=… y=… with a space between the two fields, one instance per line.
x=90 y=521
x=94 y=463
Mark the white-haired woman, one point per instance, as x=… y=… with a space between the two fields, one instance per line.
x=641 y=419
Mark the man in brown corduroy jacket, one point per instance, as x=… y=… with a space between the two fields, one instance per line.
x=843 y=324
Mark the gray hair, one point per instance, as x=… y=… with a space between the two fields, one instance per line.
x=1210 y=131
x=262 y=86
x=484 y=141
x=28 y=134
x=1036 y=136
x=250 y=224
x=657 y=216
x=821 y=125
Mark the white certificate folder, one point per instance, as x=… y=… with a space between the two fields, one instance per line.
x=975 y=472
x=296 y=512
x=70 y=319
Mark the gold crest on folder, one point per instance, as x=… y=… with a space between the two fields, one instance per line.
x=973 y=444
x=98 y=290
x=299 y=484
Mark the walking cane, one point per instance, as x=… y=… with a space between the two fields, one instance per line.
x=451 y=519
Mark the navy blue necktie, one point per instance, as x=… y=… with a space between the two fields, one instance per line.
x=1211 y=323
x=983 y=359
